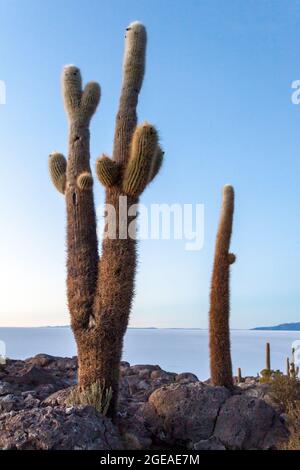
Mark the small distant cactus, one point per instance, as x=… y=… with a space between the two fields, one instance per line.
x=239 y=375
x=268 y=357
x=292 y=370
x=100 y=292
x=288 y=366
x=219 y=331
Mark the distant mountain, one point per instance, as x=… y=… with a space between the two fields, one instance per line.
x=282 y=327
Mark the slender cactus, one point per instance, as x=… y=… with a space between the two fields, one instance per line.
x=100 y=292
x=219 y=331
x=288 y=366
x=239 y=375
x=268 y=357
x=292 y=370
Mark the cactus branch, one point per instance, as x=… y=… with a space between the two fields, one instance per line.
x=85 y=181
x=133 y=75
x=157 y=162
x=143 y=151
x=57 y=170
x=72 y=89
x=74 y=179
x=90 y=99
x=108 y=171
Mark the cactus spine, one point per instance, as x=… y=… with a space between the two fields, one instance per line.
x=219 y=332
x=100 y=292
x=268 y=357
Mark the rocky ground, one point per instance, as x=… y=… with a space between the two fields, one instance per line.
x=157 y=409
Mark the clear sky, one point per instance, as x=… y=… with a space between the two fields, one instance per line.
x=218 y=87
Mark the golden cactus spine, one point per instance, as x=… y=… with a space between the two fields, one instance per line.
x=219 y=330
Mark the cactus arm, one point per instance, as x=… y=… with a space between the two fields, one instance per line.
x=72 y=89
x=85 y=181
x=82 y=247
x=143 y=151
x=133 y=74
x=107 y=171
x=156 y=163
x=231 y=258
x=57 y=169
x=219 y=341
x=90 y=99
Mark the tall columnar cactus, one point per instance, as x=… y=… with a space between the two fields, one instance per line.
x=268 y=357
x=239 y=375
x=219 y=332
x=100 y=292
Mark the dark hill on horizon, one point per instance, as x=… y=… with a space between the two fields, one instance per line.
x=281 y=327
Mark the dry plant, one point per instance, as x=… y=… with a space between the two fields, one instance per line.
x=96 y=395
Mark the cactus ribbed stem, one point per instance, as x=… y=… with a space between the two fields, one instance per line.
x=219 y=331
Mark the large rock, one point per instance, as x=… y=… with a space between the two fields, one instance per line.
x=58 y=428
x=188 y=411
x=245 y=422
x=203 y=417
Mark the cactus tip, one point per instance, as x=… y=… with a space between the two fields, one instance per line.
x=135 y=25
x=228 y=188
x=71 y=71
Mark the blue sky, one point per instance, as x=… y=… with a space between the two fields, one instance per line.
x=218 y=87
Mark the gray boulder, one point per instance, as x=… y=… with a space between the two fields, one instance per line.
x=58 y=428
x=188 y=411
x=246 y=422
